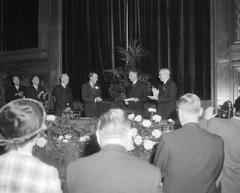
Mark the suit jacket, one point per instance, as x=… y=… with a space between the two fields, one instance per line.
x=33 y=93
x=229 y=130
x=88 y=95
x=167 y=100
x=139 y=90
x=12 y=91
x=62 y=98
x=190 y=160
x=112 y=170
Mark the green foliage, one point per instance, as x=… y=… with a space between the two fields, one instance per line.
x=132 y=55
x=118 y=77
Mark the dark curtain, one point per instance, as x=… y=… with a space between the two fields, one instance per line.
x=175 y=32
x=18 y=24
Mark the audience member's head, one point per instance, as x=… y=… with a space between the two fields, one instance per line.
x=16 y=80
x=164 y=74
x=93 y=77
x=189 y=108
x=35 y=80
x=237 y=106
x=133 y=75
x=64 y=79
x=114 y=127
x=226 y=110
x=20 y=122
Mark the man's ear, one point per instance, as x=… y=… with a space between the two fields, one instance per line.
x=200 y=112
x=98 y=138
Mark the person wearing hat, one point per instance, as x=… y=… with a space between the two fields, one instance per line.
x=229 y=130
x=21 y=121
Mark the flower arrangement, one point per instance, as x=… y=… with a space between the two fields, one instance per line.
x=62 y=141
x=146 y=133
x=66 y=139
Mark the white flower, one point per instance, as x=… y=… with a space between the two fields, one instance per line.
x=134 y=132
x=60 y=137
x=84 y=138
x=146 y=123
x=148 y=144
x=65 y=140
x=152 y=110
x=157 y=118
x=51 y=118
x=41 y=142
x=67 y=136
x=131 y=116
x=156 y=133
x=138 y=140
x=170 y=121
x=138 y=118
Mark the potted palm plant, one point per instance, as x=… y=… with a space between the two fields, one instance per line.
x=132 y=57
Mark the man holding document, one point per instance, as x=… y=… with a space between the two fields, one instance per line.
x=136 y=94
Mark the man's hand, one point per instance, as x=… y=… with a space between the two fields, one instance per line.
x=40 y=94
x=209 y=113
x=131 y=99
x=135 y=100
x=154 y=97
x=155 y=91
x=67 y=109
x=98 y=99
x=19 y=94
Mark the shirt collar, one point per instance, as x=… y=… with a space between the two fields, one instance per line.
x=134 y=82
x=64 y=86
x=35 y=87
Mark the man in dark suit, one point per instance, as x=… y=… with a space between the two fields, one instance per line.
x=36 y=91
x=16 y=90
x=113 y=170
x=137 y=94
x=91 y=95
x=229 y=129
x=190 y=158
x=165 y=95
x=62 y=96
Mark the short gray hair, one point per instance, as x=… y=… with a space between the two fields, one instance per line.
x=64 y=75
x=114 y=124
x=190 y=103
x=165 y=71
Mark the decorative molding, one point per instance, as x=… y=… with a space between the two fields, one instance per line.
x=24 y=55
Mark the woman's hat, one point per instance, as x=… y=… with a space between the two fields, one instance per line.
x=21 y=120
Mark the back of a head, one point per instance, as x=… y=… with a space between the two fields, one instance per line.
x=20 y=120
x=113 y=124
x=226 y=110
x=237 y=105
x=190 y=103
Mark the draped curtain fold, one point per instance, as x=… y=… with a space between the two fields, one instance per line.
x=175 y=32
